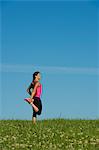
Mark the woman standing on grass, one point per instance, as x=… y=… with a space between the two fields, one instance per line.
x=35 y=94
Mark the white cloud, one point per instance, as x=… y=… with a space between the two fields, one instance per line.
x=47 y=69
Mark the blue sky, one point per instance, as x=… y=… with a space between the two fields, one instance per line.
x=60 y=39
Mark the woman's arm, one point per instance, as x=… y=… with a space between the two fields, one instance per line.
x=29 y=89
x=34 y=90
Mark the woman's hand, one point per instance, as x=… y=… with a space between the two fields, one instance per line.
x=31 y=100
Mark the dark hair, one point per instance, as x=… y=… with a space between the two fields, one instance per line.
x=35 y=74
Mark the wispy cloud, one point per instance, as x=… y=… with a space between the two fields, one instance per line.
x=47 y=69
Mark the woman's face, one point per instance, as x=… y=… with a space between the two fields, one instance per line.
x=38 y=77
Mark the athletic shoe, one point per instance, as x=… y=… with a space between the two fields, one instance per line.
x=28 y=100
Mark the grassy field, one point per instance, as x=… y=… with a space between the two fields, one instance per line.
x=55 y=134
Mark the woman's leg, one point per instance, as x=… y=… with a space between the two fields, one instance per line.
x=40 y=107
x=34 y=116
x=30 y=101
x=34 y=119
x=35 y=108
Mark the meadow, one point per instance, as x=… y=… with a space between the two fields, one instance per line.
x=50 y=134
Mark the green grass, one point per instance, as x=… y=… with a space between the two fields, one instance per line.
x=55 y=134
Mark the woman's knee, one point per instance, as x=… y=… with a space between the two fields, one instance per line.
x=39 y=112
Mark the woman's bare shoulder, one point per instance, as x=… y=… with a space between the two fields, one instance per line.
x=37 y=84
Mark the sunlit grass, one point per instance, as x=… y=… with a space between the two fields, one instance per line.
x=56 y=134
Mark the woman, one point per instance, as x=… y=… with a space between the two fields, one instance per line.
x=35 y=94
